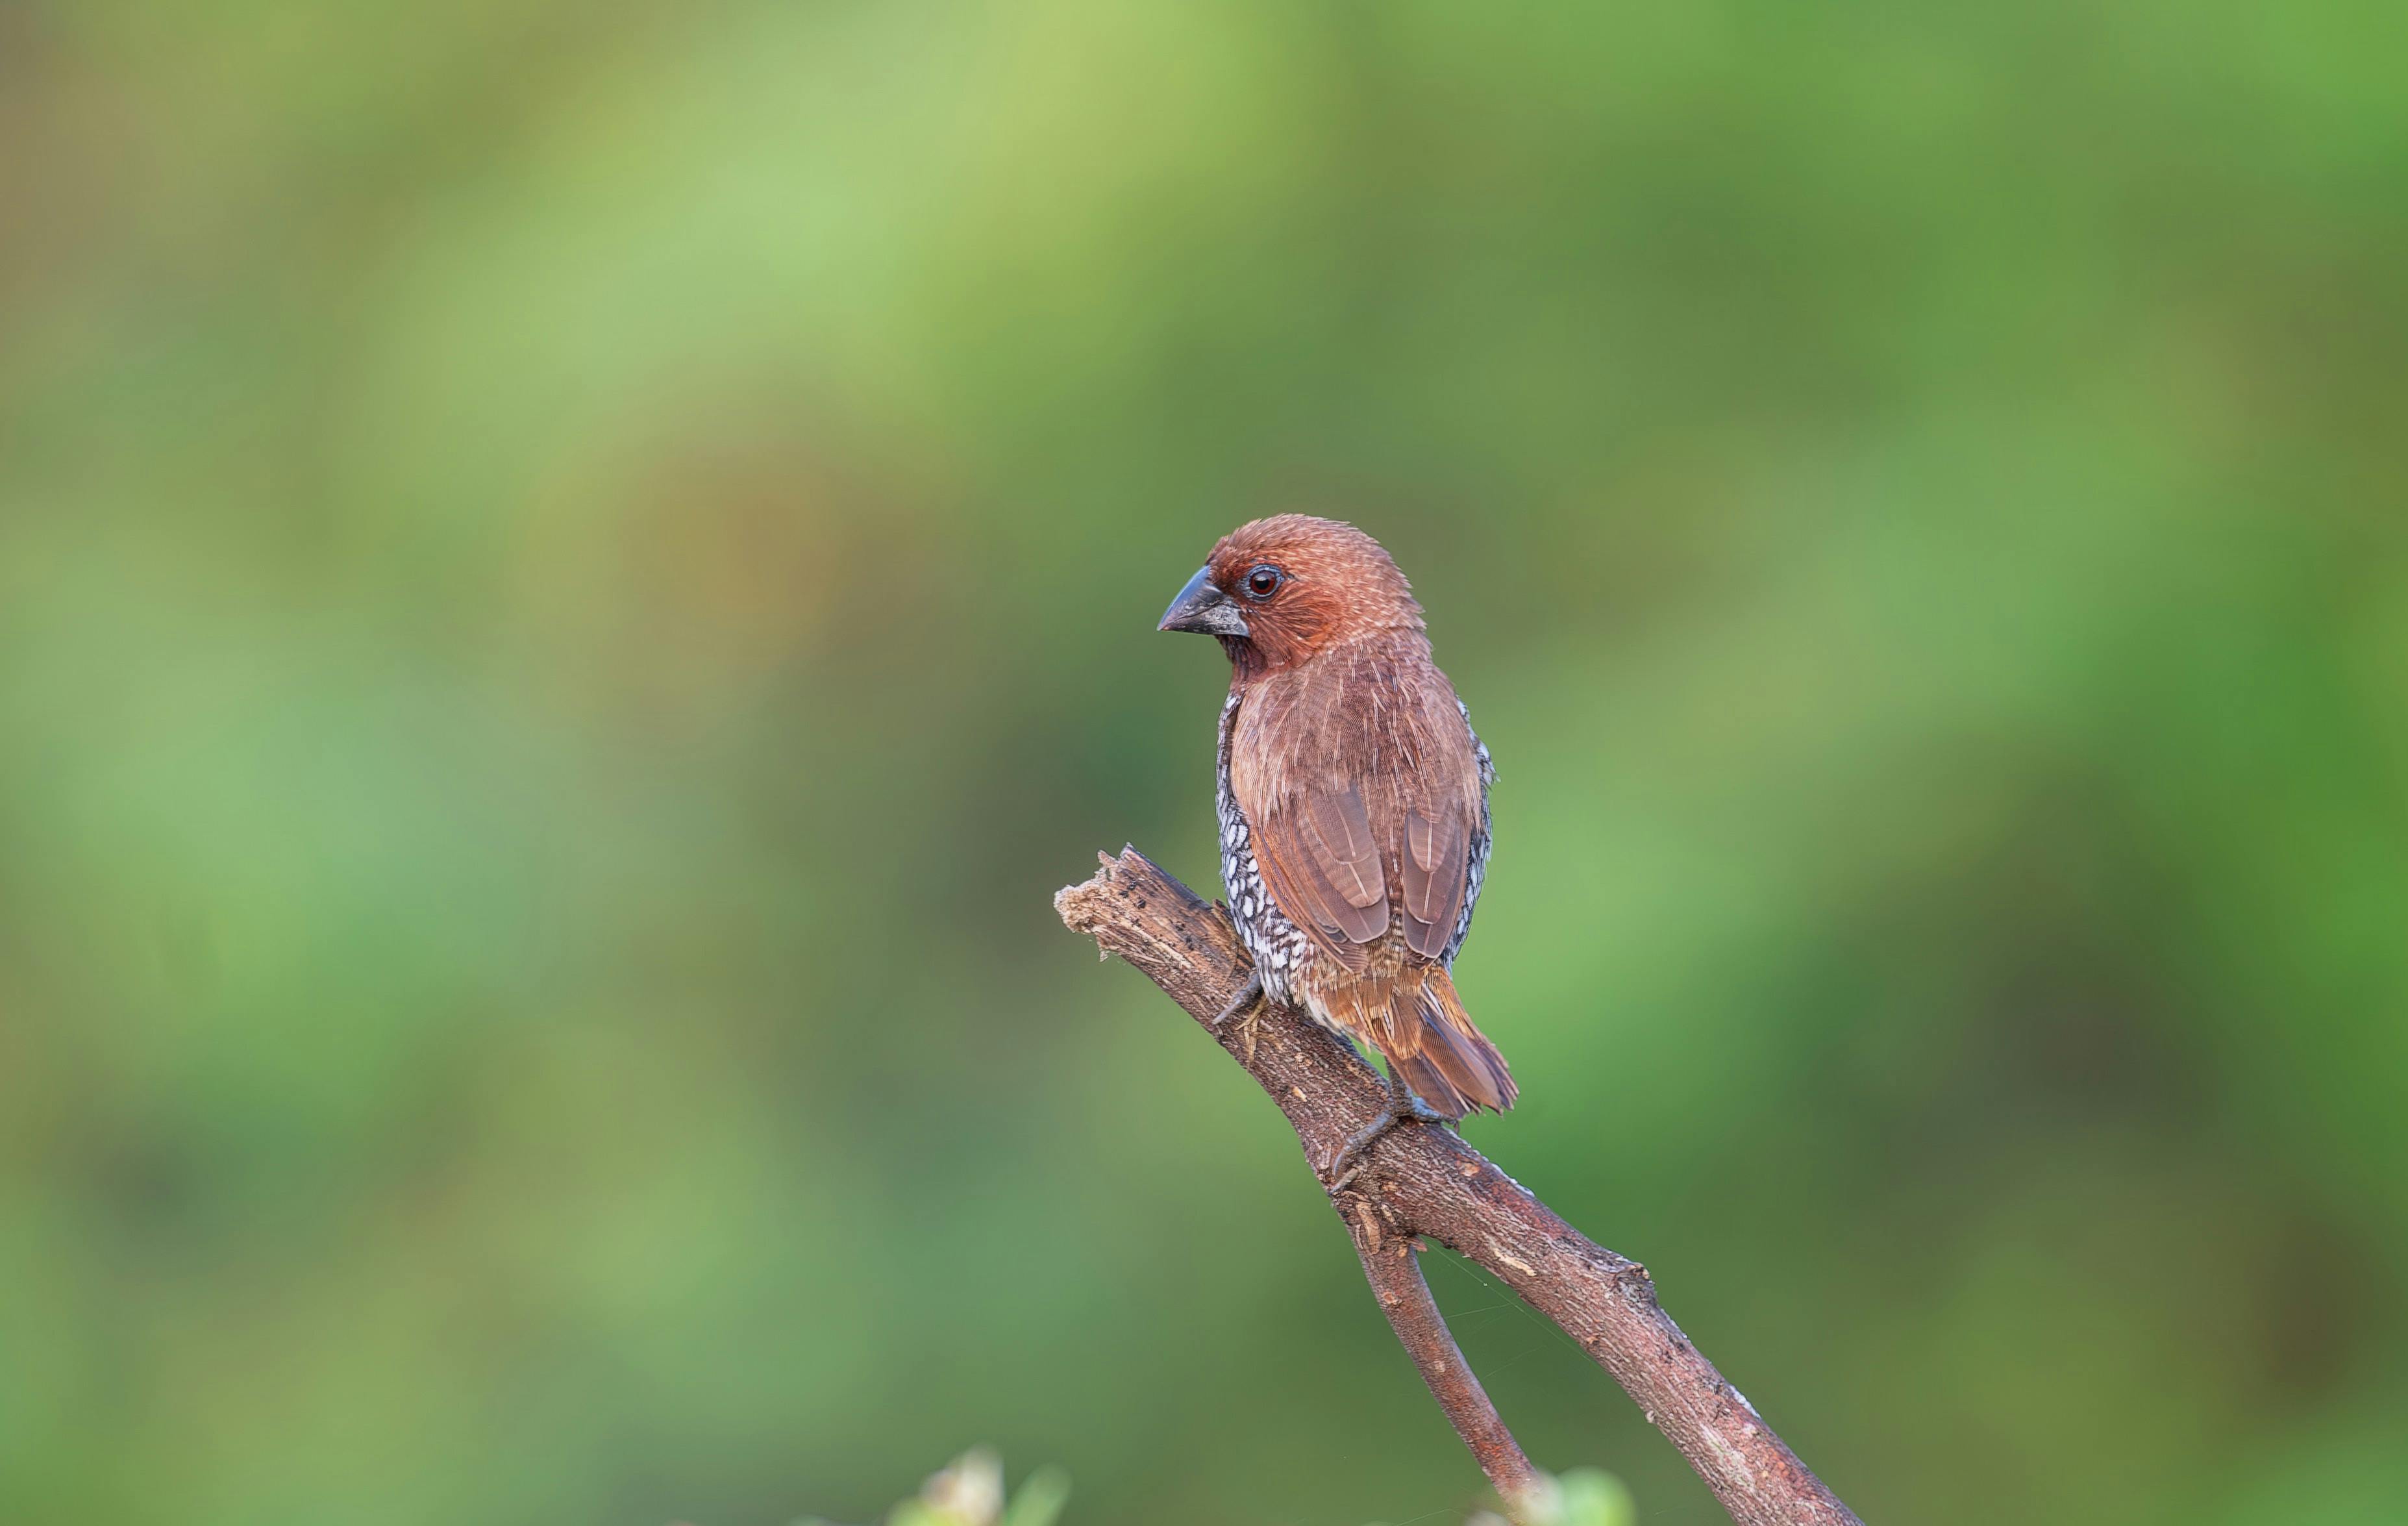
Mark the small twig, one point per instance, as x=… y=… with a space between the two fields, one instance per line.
x=1395 y=1273
x=1425 y=1181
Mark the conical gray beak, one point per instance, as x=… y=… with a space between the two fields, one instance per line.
x=1203 y=608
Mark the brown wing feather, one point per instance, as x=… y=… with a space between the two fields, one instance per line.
x=1434 y=872
x=1337 y=829
x=1358 y=778
x=1306 y=880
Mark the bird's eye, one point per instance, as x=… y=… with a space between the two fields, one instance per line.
x=1264 y=581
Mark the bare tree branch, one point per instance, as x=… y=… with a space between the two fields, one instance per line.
x=1420 y=1180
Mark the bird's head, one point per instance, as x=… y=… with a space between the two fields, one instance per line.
x=1280 y=590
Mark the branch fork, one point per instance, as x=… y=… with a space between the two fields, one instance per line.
x=1416 y=1181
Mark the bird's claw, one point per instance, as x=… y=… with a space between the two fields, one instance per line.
x=1246 y=996
x=1248 y=1001
x=1348 y=1162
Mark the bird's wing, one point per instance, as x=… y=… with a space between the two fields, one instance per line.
x=1435 y=869
x=1362 y=791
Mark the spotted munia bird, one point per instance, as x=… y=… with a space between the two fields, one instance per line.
x=1353 y=805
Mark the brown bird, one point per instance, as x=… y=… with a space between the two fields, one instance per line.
x=1353 y=805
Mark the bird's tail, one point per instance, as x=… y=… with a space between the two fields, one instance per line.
x=1444 y=1059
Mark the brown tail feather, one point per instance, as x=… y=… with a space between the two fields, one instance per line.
x=1453 y=1067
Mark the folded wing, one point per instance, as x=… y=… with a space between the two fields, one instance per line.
x=1363 y=793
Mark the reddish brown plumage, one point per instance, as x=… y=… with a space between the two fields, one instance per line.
x=1352 y=785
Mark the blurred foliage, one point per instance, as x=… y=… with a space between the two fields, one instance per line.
x=968 y=1491
x=1590 y=1498
x=1582 y=1497
x=572 y=577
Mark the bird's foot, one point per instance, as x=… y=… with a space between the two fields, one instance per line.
x=1347 y=1163
x=1249 y=1002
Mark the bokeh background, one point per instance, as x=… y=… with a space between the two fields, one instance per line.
x=573 y=577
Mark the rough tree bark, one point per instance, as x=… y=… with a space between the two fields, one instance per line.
x=1420 y=1180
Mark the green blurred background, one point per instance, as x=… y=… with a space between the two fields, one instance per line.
x=573 y=577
